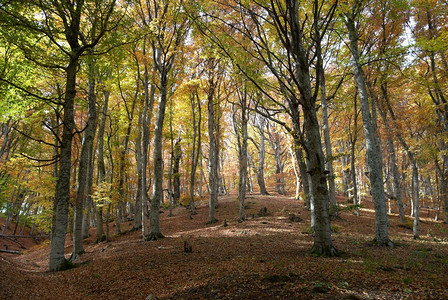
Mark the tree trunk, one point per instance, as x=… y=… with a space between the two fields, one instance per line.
x=241 y=136
x=327 y=139
x=101 y=167
x=353 y=173
x=62 y=191
x=147 y=116
x=322 y=240
x=415 y=197
x=260 y=124
x=157 y=194
x=139 y=165
x=196 y=149
x=296 y=173
x=84 y=165
x=89 y=208
x=373 y=159
x=213 y=152
x=275 y=142
x=176 y=171
x=393 y=160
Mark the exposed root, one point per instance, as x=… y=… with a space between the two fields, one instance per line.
x=212 y=221
x=153 y=237
x=65 y=265
x=387 y=243
x=75 y=256
x=325 y=251
x=100 y=239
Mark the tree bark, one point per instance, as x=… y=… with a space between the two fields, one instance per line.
x=147 y=116
x=260 y=124
x=327 y=139
x=240 y=129
x=176 y=171
x=157 y=194
x=101 y=167
x=84 y=165
x=381 y=231
x=213 y=148
x=62 y=191
x=196 y=148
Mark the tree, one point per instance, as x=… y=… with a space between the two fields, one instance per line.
x=168 y=33
x=260 y=123
x=214 y=76
x=240 y=128
x=373 y=157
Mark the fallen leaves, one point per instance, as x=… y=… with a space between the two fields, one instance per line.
x=263 y=258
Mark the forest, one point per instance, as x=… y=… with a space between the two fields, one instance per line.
x=261 y=139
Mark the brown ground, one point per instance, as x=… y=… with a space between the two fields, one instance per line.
x=262 y=258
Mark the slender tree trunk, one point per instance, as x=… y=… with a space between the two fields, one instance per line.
x=296 y=173
x=327 y=139
x=86 y=220
x=83 y=169
x=176 y=170
x=139 y=165
x=101 y=167
x=306 y=190
x=196 y=149
x=261 y=122
x=415 y=197
x=373 y=159
x=241 y=135
x=213 y=140
x=393 y=158
x=353 y=173
x=147 y=116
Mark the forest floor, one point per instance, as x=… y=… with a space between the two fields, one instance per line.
x=262 y=258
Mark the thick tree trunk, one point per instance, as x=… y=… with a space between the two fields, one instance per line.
x=322 y=240
x=157 y=194
x=62 y=191
x=373 y=159
x=84 y=165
